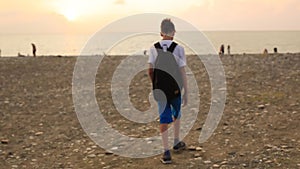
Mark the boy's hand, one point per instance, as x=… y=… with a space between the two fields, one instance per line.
x=184 y=99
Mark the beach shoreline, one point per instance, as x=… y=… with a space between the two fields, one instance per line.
x=123 y=55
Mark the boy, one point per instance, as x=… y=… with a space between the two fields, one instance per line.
x=170 y=110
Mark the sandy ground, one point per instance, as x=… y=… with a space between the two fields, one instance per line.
x=259 y=128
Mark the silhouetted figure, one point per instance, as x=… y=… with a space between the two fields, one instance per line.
x=0 y=52
x=20 y=55
x=145 y=52
x=221 y=50
x=275 y=50
x=33 y=49
x=265 y=52
x=228 y=49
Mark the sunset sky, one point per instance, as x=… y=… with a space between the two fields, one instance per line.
x=88 y=16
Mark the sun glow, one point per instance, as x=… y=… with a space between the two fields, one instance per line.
x=70 y=14
x=72 y=10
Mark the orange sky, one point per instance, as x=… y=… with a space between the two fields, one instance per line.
x=88 y=16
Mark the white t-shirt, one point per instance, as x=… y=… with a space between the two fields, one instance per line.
x=178 y=53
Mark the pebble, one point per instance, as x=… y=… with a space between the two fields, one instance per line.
x=114 y=148
x=14 y=166
x=284 y=146
x=216 y=166
x=198 y=148
x=108 y=153
x=198 y=158
x=100 y=155
x=39 y=133
x=268 y=162
x=4 y=141
x=197 y=155
x=223 y=163
x=192 y=148
x=91 y=156
x=261 y=106
x=207 y=162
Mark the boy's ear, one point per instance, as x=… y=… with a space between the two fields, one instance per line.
x=161 y=34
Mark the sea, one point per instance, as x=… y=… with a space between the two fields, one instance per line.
x=73 y=44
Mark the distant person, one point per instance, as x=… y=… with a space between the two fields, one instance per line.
x=145 y=52
x=221 y=52
x=265 y=52
x=33 y=49
x=0 y=52
x=168 y=55
x=228 y=49
x=20 y=55
x=275 y=50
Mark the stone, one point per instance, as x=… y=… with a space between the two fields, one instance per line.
x=223 y=163
x=108 y=153
x=268 y=162
x=192 y=148
x=5 y=141
x=207 y=162
x=216 y=166
x=198 y=148
x=198 y=158
x=91 y=156
x=39 y=133
x=261 y=106
x=197 y=155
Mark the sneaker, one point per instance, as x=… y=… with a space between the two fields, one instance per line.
x=166 y=158
x=179 y=146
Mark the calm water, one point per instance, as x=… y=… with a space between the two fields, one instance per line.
x=240 y=42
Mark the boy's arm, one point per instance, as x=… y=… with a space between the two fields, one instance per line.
x=185 y=88
x=150 y=72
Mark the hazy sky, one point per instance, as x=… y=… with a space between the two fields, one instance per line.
x=88 y=16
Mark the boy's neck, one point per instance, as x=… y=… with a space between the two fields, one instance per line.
x=167 y=38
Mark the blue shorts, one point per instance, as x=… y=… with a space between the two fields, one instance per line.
x=168 y=110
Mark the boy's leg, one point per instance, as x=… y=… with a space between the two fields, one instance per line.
x=176 y=131
x=165 y=117
x=164 y=134
x=176 y=110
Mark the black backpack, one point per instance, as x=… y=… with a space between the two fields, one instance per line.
x=166 y=75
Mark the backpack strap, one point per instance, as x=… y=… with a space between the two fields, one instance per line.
x=172 y=47
x=157 y=45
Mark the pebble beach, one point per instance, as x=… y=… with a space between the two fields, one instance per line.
x=259 y=127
